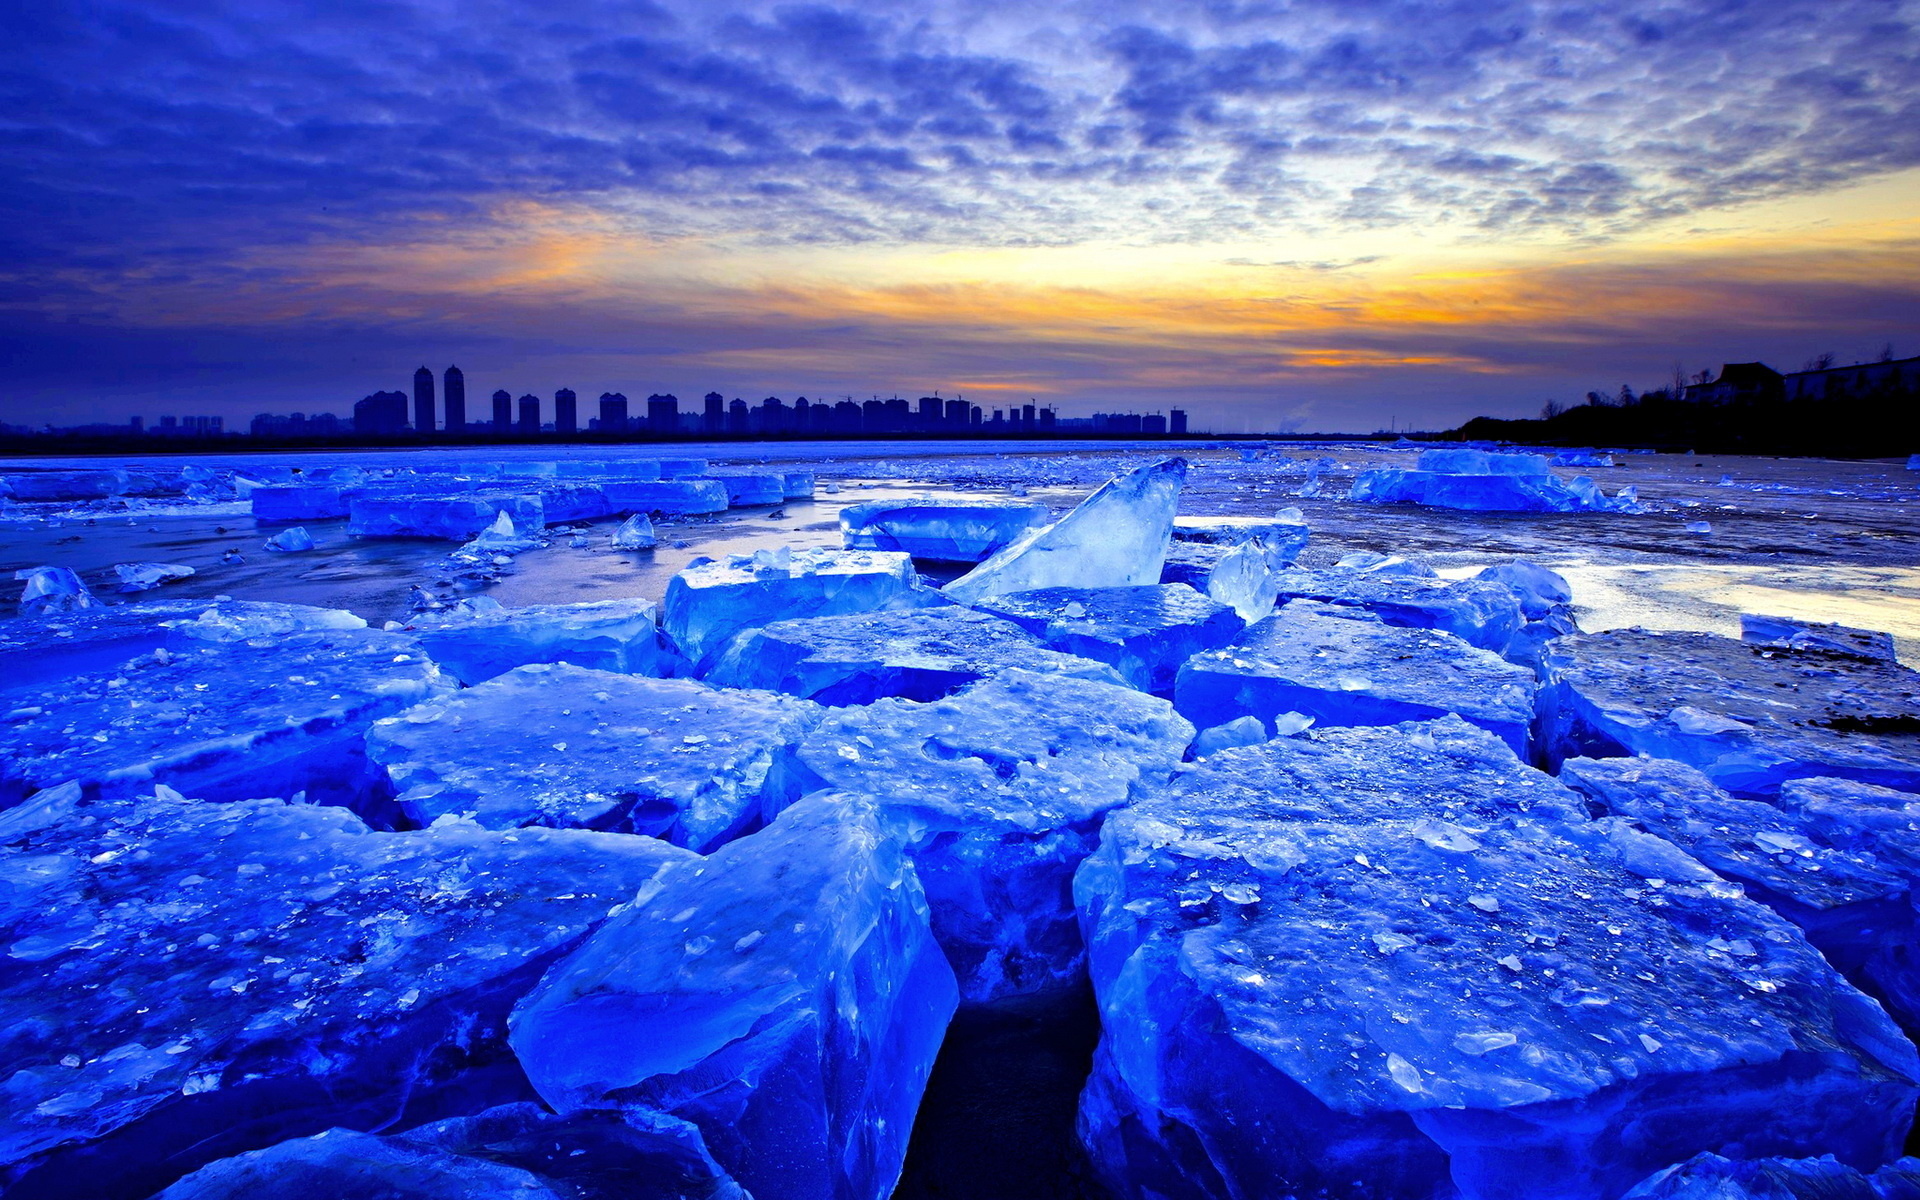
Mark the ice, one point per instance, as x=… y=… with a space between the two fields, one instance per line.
x=46 y=486
x=1913 y=462
x=682 y=468
x=559 y=745
x=145 y=576
x=478 y=639
x=1712 y=1177
x=52 y=590
x=1144 y=632
x=1698 y=527
x=1247 y=578
x=998 y=793
x=1117 y=537
x=709 y=602
x=1241 y=731
x=1583 y=458
x=942 y=530
x=1192 y=563
x=1480 y=462
x=1541 y=592
x=37 y=654
x=683 y=496
x=784 y=995
x=1843 y=871
x=1749 y=716
x=299 y=502
x=455 y=518
x=341 y=1164
x=1284 y=538
x=1344 y=667
x=561 y=502
x=1788 y=633
x=1373 y=563
x=1479 y=612
x=253 y=713
x=504 y=537
x=635 y=533
x=1399 y=962
x=745 y=490
x=798 y=485
x=191 y=980
x=1479 y=481
x=922 y=654
x=291 y=541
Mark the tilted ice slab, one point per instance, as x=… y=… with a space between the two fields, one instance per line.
x=1844 y=872
x=1399 y=962
x=558 y=745
x=1712 y=1177
x=944 y=530
x=1788 y=633
x=709 y=602
x=1480 y=613
x=479 y=639
x=512 y=1152
x=455 y=518
x=1144 y=632
x=1117 y=537
x=193 y=980
x=998 y=793
x=921 y=654
x=685 y=496
x=784 y=995
x=1751 y=717
x=224 y=720
x=1341 y=666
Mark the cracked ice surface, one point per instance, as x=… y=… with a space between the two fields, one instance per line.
x=1481 y=613
x=1399 y=962
x=920 y=654
x=208 y=978
x=479 y=639
x=558 y=745
x=1145 y=632
x=1342 y=666
x=998 y=793
x=943 y=530
x=1750 y=716
x=788 y=997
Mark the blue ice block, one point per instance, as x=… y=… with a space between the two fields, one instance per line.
x=1144 y=632
x=341 y=1164
x=1399 y=962
x=745 y=489
x=455 y=518
x=998 y=793
x=38 y=487
x=51 y=590
x=1481 y=613
x=920 y=654
x=1284 y=538
x=709 y=602
x=1713 y=1177
x=558 y=745
x=1342 y=666
x=942 y=530
x=1751 y=717
x=299 y=502
x=1790 y=634
x=784 y=994
x=684 y=496
x=476 y=641
x=191 y=980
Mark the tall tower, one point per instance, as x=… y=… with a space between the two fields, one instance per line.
x=456 y=395
x=423 y=401
x=566 y=411
x=529 y=413
x=502 y=411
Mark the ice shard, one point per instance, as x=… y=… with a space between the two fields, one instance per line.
x=478 y=638
x=1342 y=666
x=191 y=980
x=1399 y=962
x=558 y=745
x=920 y=654
x=1479 y=612
x=145 y=576
x=784 y=995
x=635 y=533
x=1143 y=632
x=941 y=530
x=291 y=541
x=53 y=590
x=998 y=793
x=504 y=537
x=455 y=518
x=1117 y=537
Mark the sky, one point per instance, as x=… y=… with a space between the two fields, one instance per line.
x=1316 y=215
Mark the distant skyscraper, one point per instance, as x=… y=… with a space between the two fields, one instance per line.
x=663 y=415
x=529 y=413
x=737 y=420
x=423 y=401
x=957 y=414
x=456 y=398
x=613 y=412
x=930 y=410
x=1026 y=417
x=566 y=412
x=382 y=412
x=502 y=410
x=1177 y=420
x=714 y=418
x=1047 y=421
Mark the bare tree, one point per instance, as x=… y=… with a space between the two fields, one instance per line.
x=1819 y=362
x=1886 y=353
x=1550 y=410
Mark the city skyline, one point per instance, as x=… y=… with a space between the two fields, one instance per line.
x=1308 y=216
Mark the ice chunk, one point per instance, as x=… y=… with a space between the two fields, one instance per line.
x=38 y=654
x=998 y=793
x=562 y=502
x=1399 y=962
x=858 y=658
x=1583 y=458
x=1247 y=578
x=299 y=502
x=1541 y=592
x=708 y=602
x=798 y=485
x=1192 y=563
x=1117 y=537
x=1788 y=633
x=1373 y=563
x=784 y=995
x=344 y=1165
x=558 y=745
x=1750 y=717
x=942 y=530
x=1241 y=731
x=52 y=590
x=32 y=487
x=685 y=496
x=1848 y=884
x=1479 y=612
x=744 y=490
x=1144 y=632
x=278 y=713
x=1285 y=538
x=191 y=980
x=682 y=468
x=1711 y=1177
x=504 y=537
x=475 y=642
x=1480 y=481
x=455 y=518
x=1480 y=462
x=1341 y=668
x=144 y=577
x=1913 y=462
x=291 y=541
x=1698 y=527
x=635 y=533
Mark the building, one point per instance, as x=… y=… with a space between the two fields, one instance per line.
x=1153 y=425
x=714 y=418
x=737 y=418
x=423 y=401
x=294 y=425
x=502 y=410
x=380 y=413
x=1176 y=421
x=613 y=412
x=663 y=414
x=455 y=394
x=1861 y=379
x=1739 y=383
x=566 y=412
x=529 y=414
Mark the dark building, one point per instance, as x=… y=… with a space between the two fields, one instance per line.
x=930 y=410
x=957 y=414
x=1177 y=421
x=566 y=412
x=1740 y=382
x=613 y=412
x=456 y=400
x=772 y=415
x=502 y=410
x=529 y=413
x=847 y=416
x=382 y=412
x=1153 y=425
x=714 y=418
x=899 y=414
x=423 y=401
x=1047 y=421
x=663 y=414
x=737 y=418
x=973 y=416
x=1026 y=417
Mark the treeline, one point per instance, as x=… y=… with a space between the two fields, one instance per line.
x=1881 y=422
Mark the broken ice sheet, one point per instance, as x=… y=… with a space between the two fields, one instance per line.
x=1144 y=632
x=144 y=577
x=939 y=530
x=52 y=590
x=1483 y=613
x=478 y=638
